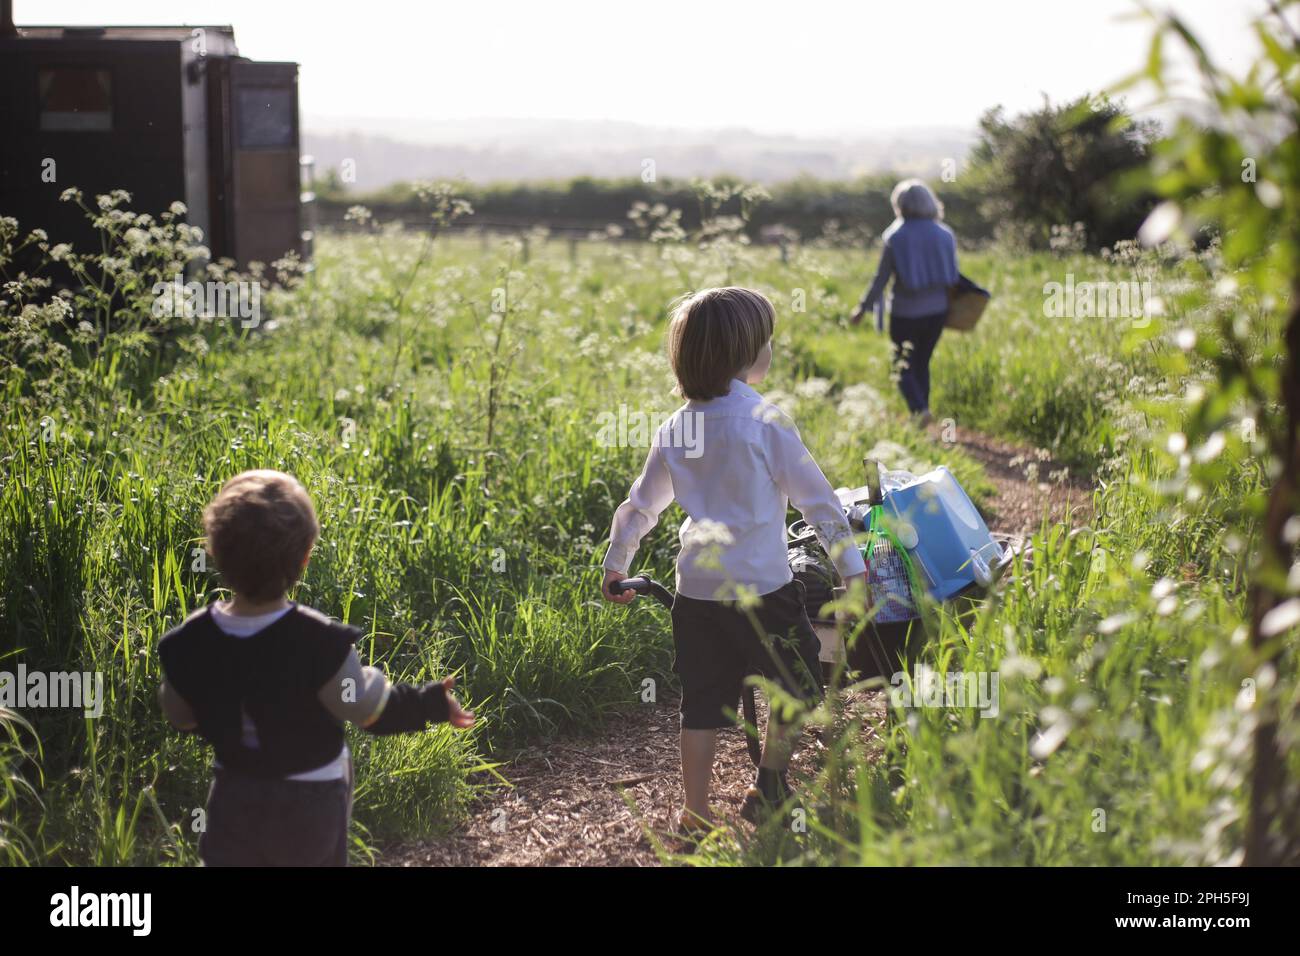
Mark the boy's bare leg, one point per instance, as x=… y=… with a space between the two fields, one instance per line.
x=698 y=748
x=778 y=745
x=770 y=787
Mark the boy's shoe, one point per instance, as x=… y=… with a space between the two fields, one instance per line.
x=758 y=809
x=690 y=826
x=765 y=797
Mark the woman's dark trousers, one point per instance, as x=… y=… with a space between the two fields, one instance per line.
x=914 y=342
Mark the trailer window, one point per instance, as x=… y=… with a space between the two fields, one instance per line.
x=75 y=98
x=265 y=117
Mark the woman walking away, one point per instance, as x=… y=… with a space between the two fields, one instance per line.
x=920 y=254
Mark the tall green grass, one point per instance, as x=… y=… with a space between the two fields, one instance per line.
x=448 y=435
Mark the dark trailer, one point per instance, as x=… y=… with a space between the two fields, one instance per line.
x=167 y=113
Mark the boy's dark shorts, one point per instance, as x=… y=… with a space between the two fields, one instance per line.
x=258 y=822
x=718 y=646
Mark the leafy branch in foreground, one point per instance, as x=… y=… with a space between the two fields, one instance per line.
x=1237 y=177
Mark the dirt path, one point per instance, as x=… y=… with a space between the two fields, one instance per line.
x=588 y=801
x=1028 y=483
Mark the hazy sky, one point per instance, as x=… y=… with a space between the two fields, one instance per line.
x=798 y=66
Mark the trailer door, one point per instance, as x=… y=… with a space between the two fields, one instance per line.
x=264 y=160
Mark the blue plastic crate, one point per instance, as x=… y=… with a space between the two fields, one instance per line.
x=936 y=520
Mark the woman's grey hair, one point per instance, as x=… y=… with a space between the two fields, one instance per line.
x=912 y=199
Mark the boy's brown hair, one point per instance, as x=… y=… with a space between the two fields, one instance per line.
x=713 y=335
x=260 y=528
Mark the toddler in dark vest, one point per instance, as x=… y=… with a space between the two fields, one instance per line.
x=269 y=684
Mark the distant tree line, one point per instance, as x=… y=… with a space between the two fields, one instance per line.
x=1064 y=165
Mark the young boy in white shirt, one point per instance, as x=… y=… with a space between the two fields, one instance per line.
x=746 y=462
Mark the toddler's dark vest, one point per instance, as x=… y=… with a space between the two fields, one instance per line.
x=273 y=676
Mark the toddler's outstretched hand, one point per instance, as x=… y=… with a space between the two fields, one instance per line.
x=457 y=716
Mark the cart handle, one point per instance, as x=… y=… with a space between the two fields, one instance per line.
x=644 y=585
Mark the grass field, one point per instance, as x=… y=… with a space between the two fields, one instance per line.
x=442 y=403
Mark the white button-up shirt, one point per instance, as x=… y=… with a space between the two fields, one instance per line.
x=733 y=464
